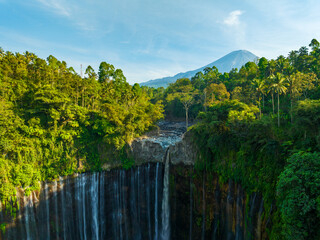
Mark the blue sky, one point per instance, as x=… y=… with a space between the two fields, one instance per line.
x=149 y=39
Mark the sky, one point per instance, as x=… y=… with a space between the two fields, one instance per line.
x=150 y=39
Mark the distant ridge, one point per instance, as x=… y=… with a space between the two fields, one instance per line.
x=235 y=59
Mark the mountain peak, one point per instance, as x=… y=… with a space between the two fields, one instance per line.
x=235 y=59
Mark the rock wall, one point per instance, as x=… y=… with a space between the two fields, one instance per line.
x=202 y=207
x=128 y=204
x=117 y=204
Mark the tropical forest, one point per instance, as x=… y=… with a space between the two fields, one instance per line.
x=73 y=150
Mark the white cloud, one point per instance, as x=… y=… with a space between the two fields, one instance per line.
x=233 y=18
x=58 y=6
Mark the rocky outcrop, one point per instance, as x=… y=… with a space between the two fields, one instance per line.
x=152 y=148
x=184 y=151
x=146 y=150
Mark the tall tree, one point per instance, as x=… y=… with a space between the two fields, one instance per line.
x=106 y=72
x=280 y=88
x=216 y=93
x=183 y=91
x=259 y=86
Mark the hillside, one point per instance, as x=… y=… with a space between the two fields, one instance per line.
x=235 y=59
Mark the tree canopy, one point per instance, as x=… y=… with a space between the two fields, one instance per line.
x=54 y=122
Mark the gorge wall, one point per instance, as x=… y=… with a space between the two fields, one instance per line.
x=159 y=198
x=108 y=205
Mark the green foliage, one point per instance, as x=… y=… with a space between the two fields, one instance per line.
x=298 y=194
x=183 y=92
x=252 y=150
x=3 y=228
x=126 y=161
x=54 y=122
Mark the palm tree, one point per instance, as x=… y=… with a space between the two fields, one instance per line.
x=270 y=88
x=259 y=86
x=271 y=68
x=294 y=90
x=280 y=88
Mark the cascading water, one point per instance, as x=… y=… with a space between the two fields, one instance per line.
x=55 y=199
x=27 y=217
x=94 y=206
x=134 y=205
x=46 y=200
x=63 y=219
x=148 y=201
x=98 y=206
x=165 y=233
x=156 y=205
x=191 y=205
x=102 y=220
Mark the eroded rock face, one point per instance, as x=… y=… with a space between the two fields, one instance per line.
x=203 y=207
x=152 y=147
x=184 y=151
x=170 y=135
x=146 y=150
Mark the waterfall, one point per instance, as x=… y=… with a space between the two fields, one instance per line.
x=148 y=200
x=117 y=214
x=46 y=195
x=26 y=215
x=94 y=206
x=30 y=220
x=191 y=205
x=55 y=193
x=102 y=207
x=134 y=208
x=138 y=182
x=83 y=189
x=156 y=204
x=124 y=202
x=120 y=210
x=69 y=198
x=63 y=208
x=118 y=204
x=165 y=234
x=78 y=198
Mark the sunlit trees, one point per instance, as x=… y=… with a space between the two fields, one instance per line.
x=183 y=91
x=215 y=93
x=259 y=86
x=106 y=72
x=280 y=88
x=51 y=118
x=299 y=84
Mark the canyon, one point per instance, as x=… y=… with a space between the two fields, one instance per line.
x=163 y=196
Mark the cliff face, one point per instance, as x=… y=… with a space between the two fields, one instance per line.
x=202 y=207
x=111 y=205
x=131 y=204
x=182 y=151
